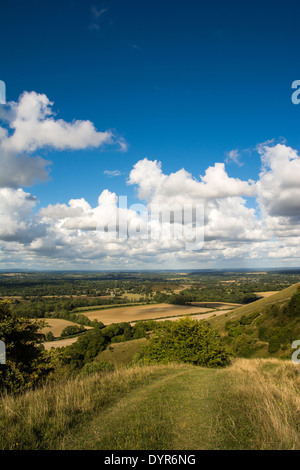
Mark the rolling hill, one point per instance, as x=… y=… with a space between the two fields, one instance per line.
x=257 y=306
x=264 y=328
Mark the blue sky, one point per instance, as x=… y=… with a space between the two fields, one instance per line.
x=183 y=83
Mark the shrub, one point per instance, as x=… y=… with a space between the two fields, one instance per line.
x=186 y=340
x=274 y=345
x=96 y=367
x=245 y=346
x=49 y=336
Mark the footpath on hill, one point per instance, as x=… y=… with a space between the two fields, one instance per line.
x=180 y=410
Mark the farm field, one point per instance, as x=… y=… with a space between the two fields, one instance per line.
x=203 y=316
x=59 y=343
x=143 y=312
x=133 y=297
x=56 y=326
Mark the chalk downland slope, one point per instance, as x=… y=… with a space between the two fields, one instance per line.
x=265 y=328
x=259 y=306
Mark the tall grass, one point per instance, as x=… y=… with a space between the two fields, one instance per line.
x=253 y=404
x=37 y=419
x=267 y=397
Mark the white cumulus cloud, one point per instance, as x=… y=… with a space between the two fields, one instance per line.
x=31 y=125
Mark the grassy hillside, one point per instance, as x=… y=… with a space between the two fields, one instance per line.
x=257 y=306
x=253 y=404
x=265 y=328
x=121 y=354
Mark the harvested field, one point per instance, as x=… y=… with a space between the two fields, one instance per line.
x=142 y=312
x=59 y=343
x=201 y=316
x=57 y=325
x=181 y=288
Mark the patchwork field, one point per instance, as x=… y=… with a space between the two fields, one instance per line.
x=142 y=312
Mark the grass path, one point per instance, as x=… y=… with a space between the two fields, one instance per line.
x=249 y=406
x=176 y=411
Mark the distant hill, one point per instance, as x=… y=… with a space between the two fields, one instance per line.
x=266 y=327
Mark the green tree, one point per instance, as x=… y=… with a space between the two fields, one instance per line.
x=86 y=348
x=49 y=336
x=186 y=340
x=26 y=360
x=71 y=330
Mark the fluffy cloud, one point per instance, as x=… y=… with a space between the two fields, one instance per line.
x=278 y=185
x=17 y=222
x=30 y=126
x=79 y=234
x=180 y=187
x=232 y=231
x=21 y=170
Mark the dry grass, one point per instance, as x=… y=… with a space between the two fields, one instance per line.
x=253 y=404
x=37 y=419
x=268 y=393
x=266 y=293
x=201 y=316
